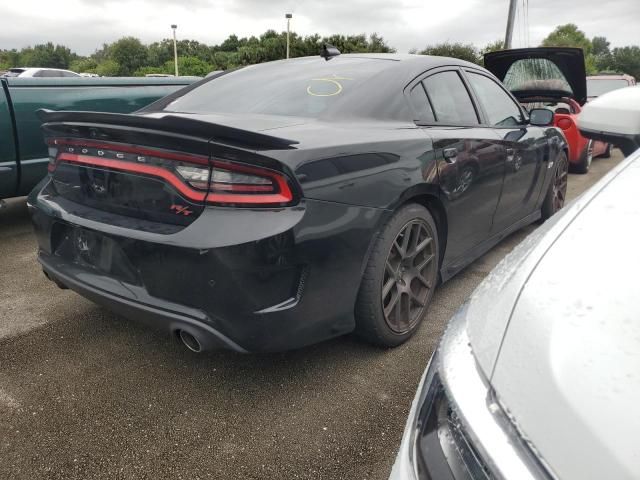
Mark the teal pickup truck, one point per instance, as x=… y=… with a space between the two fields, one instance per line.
x=23 y=153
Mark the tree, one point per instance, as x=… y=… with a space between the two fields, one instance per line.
x=462 y=51
x=600 y=46
x=626 y=60
x=568 y=35
x=129 y=53
x=378 y=45
x=494 y=46
x=46 y=55
x=190 y=66
x=108 y=68
x=9 y=58
x=84 y=65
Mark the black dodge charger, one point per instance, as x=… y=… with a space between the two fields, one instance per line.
x=281 y=204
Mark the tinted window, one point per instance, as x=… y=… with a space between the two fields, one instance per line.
x=68 y=74
x=600 y=86
x=450 y=99
x=47 y=73
x=300 y=87
x=500 y=108
x=420 y=104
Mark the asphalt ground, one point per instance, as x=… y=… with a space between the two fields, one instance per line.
x=85 y=394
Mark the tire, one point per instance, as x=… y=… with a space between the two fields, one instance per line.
x=585 y=160
x=607 y=152
x=557 y=191
x=403 y=265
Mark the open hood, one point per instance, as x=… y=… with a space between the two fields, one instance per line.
x=541 y=72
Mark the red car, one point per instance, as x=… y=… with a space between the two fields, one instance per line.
x=554 y=78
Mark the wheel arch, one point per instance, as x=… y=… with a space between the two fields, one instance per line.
x=436 y=209
x=427 y=196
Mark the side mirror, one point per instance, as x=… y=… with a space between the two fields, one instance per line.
x=541 y=117
x=614 y=118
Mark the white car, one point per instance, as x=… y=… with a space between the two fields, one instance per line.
x=538 y=375
x=23 y=72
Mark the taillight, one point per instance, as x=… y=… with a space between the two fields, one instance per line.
x=194 y=176
x=565 y=123
x=235 y=183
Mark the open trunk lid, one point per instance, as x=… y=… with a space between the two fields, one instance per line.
x=541 y=72
x=158 y=170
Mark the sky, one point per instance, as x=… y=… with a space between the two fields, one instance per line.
x=84 y=25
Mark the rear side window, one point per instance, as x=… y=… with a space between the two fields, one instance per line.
x=450 y=99
x=47 y=73
x=501 y=110
x=420 y=104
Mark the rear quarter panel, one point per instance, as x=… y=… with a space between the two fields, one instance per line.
x=119 y=95
x=369 y=165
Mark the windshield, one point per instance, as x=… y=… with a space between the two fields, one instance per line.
x=600 y=86
x=536 y=74
x=303 y=88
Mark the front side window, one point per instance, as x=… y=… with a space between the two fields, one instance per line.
x=450 y=99
x=501 y=110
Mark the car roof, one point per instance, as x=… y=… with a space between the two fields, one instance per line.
x=609 y=76
x=407 y=61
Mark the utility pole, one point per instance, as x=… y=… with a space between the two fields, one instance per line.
x=288 y=16
x=175 y=47
x=510 y=21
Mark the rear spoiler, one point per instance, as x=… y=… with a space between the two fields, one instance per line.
x=170 y=124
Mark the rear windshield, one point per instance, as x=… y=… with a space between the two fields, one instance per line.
x=302 y=87
x=14 y=72
x=536 y=74
x=600 y=86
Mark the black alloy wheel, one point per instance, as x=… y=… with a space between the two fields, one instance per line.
x=400 y=277
x=405 y=286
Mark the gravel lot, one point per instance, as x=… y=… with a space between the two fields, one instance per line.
x=87 y=394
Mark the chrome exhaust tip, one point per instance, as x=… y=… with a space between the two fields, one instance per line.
x=190 y=341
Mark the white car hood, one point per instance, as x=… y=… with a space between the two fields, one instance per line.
x=567 y=369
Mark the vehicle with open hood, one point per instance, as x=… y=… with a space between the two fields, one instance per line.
x=554 y=78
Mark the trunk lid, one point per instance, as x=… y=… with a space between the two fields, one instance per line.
x=541 y=72
x=157 y=169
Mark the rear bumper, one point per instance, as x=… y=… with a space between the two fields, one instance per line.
x=247 y=280
x=163 y=315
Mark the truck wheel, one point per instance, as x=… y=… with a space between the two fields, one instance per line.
x=400 y=277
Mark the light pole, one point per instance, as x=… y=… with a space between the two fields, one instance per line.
x=510 y=20
x=175 y=47
x=288 y=16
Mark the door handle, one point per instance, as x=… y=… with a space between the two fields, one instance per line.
x=450 y=154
